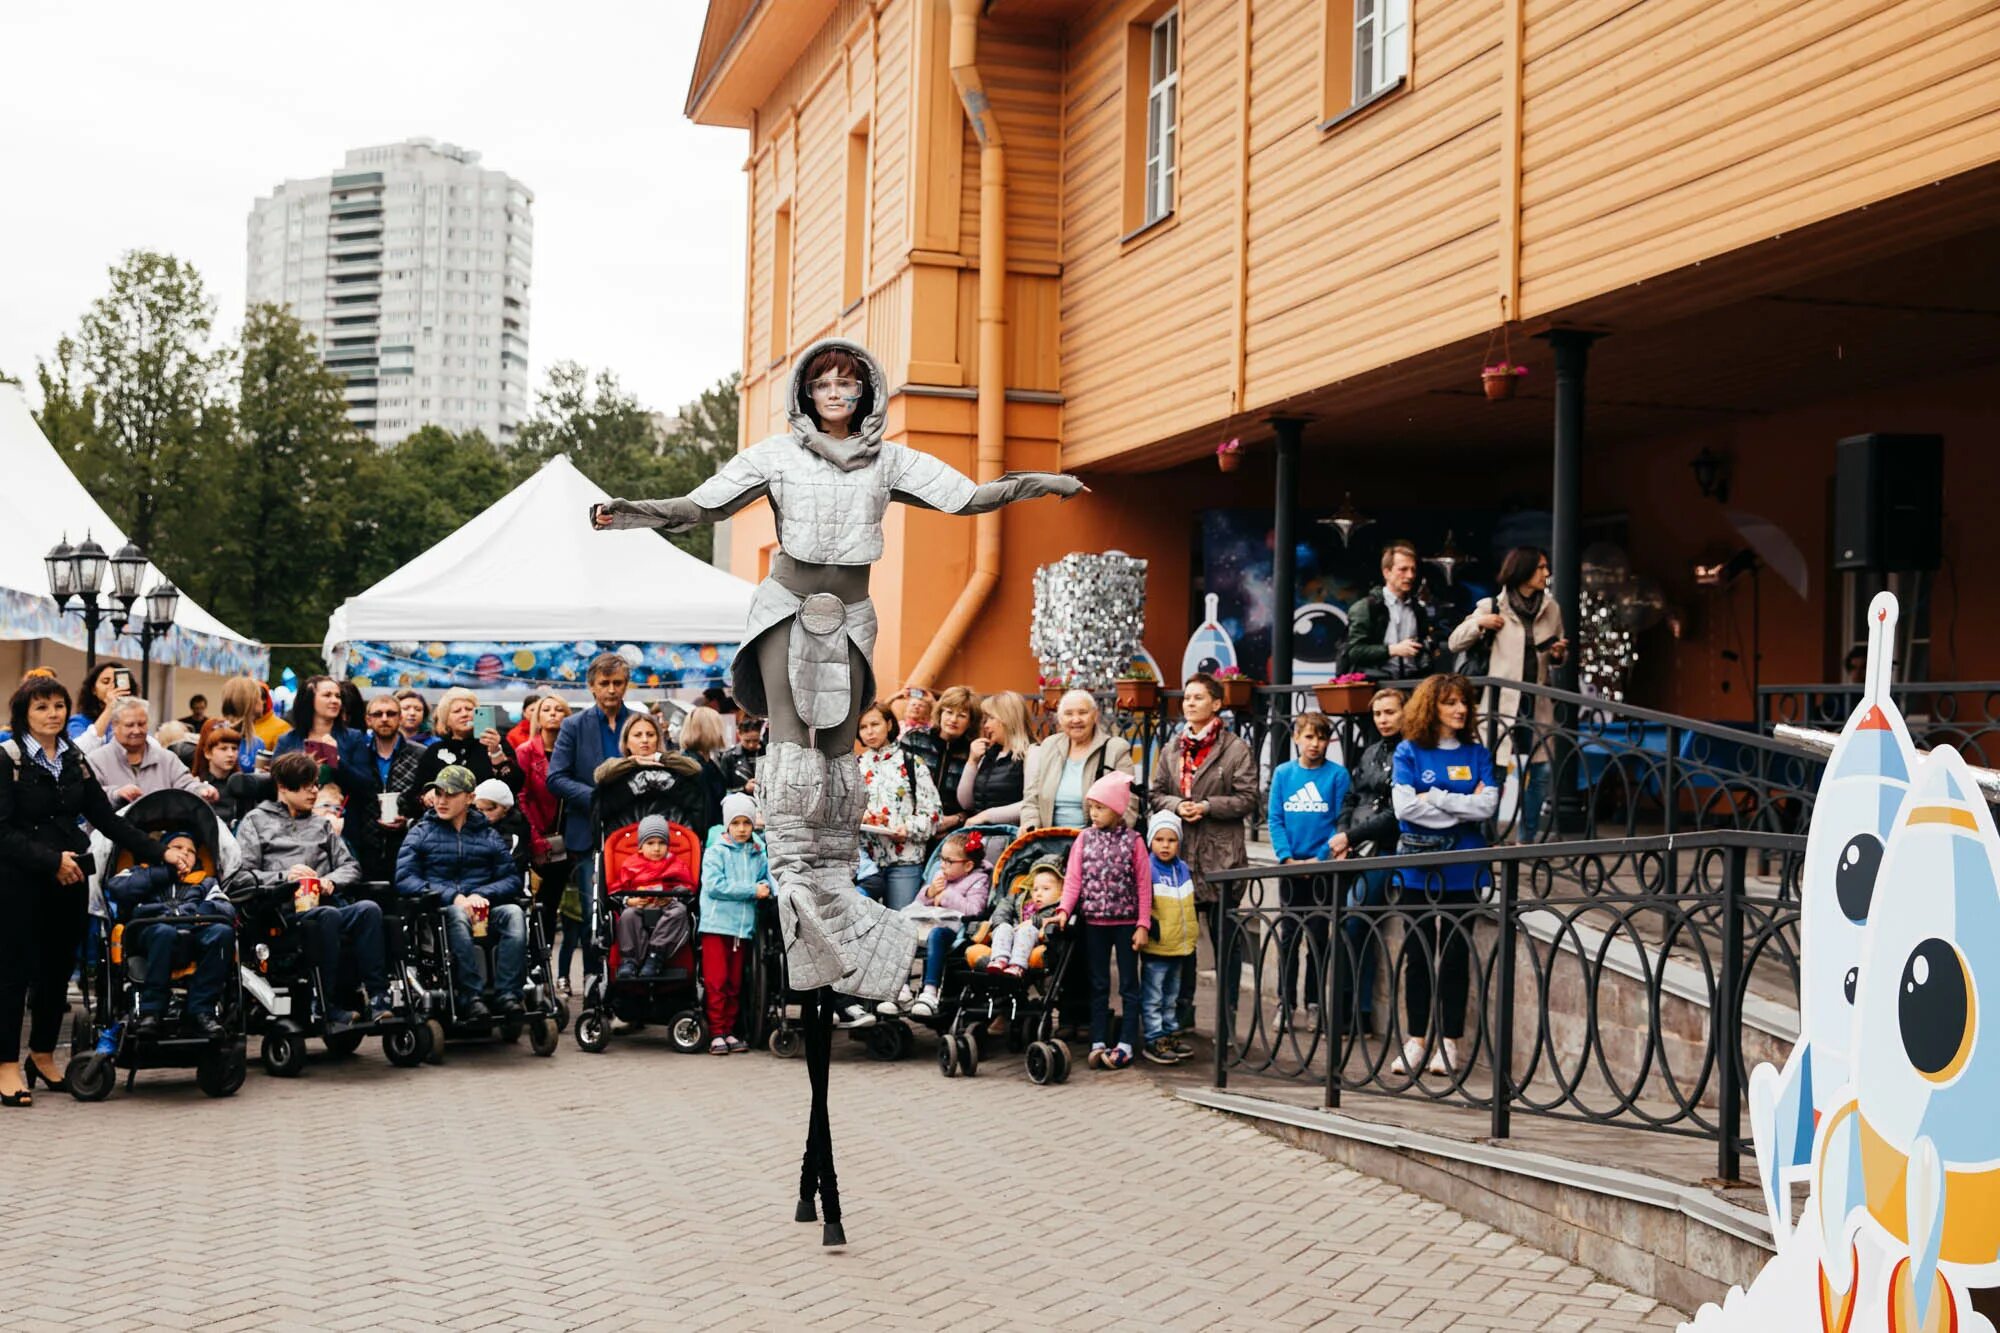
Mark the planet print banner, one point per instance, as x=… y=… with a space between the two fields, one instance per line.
x=490 y=666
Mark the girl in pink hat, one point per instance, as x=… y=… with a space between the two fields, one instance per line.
x=1111 y=875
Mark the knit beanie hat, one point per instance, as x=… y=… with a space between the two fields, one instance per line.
x=1164 y=819
x=736 y=806
x=496 y=791
x=653 y=826
x=1114 y=789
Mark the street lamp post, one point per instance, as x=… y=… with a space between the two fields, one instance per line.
x=163 y=603
x=77 y=572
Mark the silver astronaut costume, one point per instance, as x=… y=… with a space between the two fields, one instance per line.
x=805 y=665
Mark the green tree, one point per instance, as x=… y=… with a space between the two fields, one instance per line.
x=134 y=400
x=410 y=496
x=618 y=444
x=277 y=496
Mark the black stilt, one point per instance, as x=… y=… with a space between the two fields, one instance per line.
x=816 y=1174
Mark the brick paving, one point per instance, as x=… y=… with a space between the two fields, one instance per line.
x=640 y=1189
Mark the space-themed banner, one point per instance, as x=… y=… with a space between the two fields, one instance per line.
x=25 y=616
x=490 y=666
x=1459 y=553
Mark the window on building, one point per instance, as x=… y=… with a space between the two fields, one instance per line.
x=1367 y=52
x=1152 y=116
x=855 y=259
x=781 y=282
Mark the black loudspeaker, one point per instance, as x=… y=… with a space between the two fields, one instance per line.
x=1888 y=502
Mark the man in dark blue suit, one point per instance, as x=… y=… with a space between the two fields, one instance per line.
x=586 y=740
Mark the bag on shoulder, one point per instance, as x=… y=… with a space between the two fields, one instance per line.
x=1477 y=660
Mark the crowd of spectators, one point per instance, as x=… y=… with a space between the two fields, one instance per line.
x=351 y=785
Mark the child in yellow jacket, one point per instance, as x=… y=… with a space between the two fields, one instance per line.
x=1173 y=939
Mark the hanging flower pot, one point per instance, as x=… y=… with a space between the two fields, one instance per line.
x=1229 y=455
x=1500 y=378
x=1344 y=696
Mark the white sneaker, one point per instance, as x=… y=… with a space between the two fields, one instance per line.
x=854 y=1016
x=926 y=1004
x=1446 y=1057
x=895 y=1006
x=1411 y=1058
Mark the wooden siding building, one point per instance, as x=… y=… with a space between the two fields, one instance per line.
x=1760 y=227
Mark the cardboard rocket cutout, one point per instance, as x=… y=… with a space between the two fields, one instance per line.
x=1889 y=1105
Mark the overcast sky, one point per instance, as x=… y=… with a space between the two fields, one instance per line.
x=126 y=125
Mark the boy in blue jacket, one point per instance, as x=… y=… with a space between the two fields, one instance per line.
x=1304 y=817
x=152 y=900
x=454 y=858
x=734 y=875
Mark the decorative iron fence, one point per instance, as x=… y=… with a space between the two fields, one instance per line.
x=1962 y=714
x=1629 y=982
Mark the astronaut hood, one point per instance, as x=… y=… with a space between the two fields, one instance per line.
x=861 y=446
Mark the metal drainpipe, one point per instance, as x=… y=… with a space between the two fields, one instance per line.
x=992 y=363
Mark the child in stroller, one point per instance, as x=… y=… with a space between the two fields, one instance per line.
x=955 y=895
x=1017 y=933
x=168 y=932
x=176 y=914
x=644 y=950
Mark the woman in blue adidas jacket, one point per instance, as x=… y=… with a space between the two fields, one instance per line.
x=1444 y=793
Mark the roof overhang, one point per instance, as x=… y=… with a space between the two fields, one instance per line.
x=746 y=47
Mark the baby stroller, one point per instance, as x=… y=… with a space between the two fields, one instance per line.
x=101 y=1038
x=957 y=1048
x=673 y=994
x=1031 y=1006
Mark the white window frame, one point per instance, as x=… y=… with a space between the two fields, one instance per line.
x=1381 y=46
x=1163 y=87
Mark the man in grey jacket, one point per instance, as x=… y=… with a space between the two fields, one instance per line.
x=282 y=844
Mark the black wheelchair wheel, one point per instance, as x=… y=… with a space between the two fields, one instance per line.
x=1061 y=1049
x=542 y=1035
x=90 y=1077
x=406 y=1046
x=947 y=1056
x=785 y=1042
x=283 y=1052
x=222 y=1071
x=968 y=1054
x=593 y=1031
x=1041 y=1063
x=343 y=1043
x=562 y=1015
x=434 y=1048
x=885 y=1041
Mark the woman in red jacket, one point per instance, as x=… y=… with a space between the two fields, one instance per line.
x=543 y=812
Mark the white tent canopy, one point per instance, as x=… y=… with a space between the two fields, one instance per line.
x=41 y=504
x=530 y=567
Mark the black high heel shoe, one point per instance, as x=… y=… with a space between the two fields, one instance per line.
x=30 y=1071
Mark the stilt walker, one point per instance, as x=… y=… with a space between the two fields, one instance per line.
x=805 y=665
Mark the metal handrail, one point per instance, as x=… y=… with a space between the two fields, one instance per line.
x=1668 y=918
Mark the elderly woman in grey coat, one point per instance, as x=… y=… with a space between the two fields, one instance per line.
x=1207 y=775
x=1061 y=768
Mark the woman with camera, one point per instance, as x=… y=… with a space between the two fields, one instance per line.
x=46 y=794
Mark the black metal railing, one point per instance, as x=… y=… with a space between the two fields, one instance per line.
x=1584 y=767
x=1603 y=981
x=1961 y=714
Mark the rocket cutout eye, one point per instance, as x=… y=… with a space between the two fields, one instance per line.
x=1849 y=982
x=1934 y=1008
x=1854 y=877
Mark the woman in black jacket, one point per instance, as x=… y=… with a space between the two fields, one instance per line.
x=1367 y=827
x=45 y=786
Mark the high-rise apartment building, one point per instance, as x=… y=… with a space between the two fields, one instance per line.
x=411 y=266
